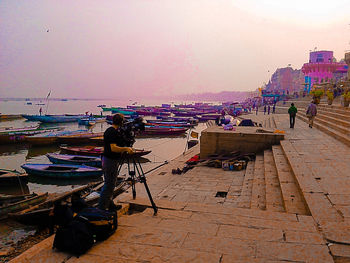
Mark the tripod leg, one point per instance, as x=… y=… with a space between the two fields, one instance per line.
x=132 y=175
x=143 y=180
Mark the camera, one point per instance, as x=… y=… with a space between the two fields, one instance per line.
x=129 y=129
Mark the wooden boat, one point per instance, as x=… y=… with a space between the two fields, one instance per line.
x=78 y=138
x=123 y=111
x=163 y=131
x=12 y=177
x=74 y=159
x=21 y=136
x=169 y=124
x=26 y=202
x=84 y=150
x=89 y=121
x=51 y=138
x=40 y=214
x=10 y=199
x=53 y=118
x=96 y=151
x=5 y=130
x=41 y=140
x=5 y=117
x=63 y=171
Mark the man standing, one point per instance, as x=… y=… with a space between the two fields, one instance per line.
x=264 y=109
x=292 y=111
x=311 y=112
x=113 y=148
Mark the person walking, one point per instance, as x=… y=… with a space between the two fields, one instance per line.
x=292 y=111
x=40 y=111
x=256 y=109
x=274 y=108
x=268 y=109
x=265 y=109
x=311 y=112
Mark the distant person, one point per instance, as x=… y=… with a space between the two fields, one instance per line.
x=40 y=111
x=256 y=109
x=311 y=113
x=265 y=109
x=292 y=111
x=274 y=108
x=268 y=109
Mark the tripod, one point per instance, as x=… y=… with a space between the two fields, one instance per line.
x=136 y=173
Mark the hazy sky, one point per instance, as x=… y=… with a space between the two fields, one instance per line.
x=129 y=48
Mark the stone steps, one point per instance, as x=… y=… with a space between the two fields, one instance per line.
x=333 y=114
x=245 y=198
x=274 y=199
x=320 y=207
x=330 y=131
x=329 y=124
x=335 y=109
x=292 y=199
x=258 y=200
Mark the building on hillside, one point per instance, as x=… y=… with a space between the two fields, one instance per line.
x=285 y=81
x=323 y=68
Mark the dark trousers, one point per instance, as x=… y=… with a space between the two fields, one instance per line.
x=110 y=170
x=292 y=120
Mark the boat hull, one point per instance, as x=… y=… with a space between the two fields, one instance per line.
x=74 y=159
x=63 y=171
x=17 y=206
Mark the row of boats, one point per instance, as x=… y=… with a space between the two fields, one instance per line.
x=72 y=163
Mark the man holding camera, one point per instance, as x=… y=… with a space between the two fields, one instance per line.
x=113 y=148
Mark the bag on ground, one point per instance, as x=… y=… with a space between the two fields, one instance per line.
x=75 y=238
x=102 y=223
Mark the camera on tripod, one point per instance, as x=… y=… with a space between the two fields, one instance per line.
x=129 y=130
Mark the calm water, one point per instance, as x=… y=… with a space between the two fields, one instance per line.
x=13 y=156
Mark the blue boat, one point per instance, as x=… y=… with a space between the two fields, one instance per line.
x=64 y=171
x=74 y=159
x=89 y=121
x=124 y=112
x=53 y=118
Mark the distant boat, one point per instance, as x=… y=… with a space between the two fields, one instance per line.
x=63 y=171
x=101 y=105
x=29 y=103
x=53 y=118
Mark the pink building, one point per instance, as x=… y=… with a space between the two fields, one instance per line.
x=322 y=67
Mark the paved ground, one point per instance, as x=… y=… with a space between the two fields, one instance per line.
x=193 y=225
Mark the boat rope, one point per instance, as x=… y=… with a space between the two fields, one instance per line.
x=155 y=168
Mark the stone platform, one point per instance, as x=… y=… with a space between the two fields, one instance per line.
x=216 y=140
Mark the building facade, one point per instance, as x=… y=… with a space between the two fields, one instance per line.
x=322 y=68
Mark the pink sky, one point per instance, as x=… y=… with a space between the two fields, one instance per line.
x=135 y=48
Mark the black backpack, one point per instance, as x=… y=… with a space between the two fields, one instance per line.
x=102 y=223
x=74 y=237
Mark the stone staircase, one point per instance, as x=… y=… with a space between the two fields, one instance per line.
x=270 y=184
x=333 y=120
